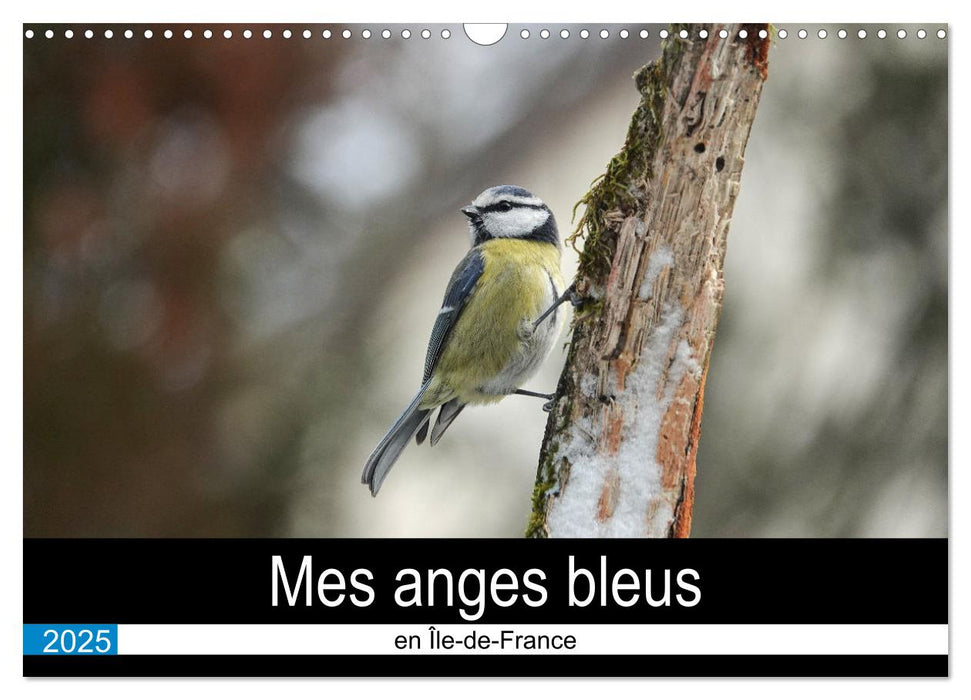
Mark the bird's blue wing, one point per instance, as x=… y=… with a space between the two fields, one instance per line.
x=460 y=288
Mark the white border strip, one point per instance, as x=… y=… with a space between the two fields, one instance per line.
x=590 y=639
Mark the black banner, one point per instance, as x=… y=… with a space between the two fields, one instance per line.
x=737 y=580
x=474 y=582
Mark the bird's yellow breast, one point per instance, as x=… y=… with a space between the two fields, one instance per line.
x=492 y=344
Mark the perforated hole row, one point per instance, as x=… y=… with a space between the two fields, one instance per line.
x=245 y=34
x=583 y=33
x=862 y=34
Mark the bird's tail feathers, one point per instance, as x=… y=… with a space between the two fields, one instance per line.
x=423 y=430
x=449 y=411
x=389 y=449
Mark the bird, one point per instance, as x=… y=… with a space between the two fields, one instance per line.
x=497 y=323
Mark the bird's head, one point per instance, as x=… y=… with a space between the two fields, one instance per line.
x=508 y=211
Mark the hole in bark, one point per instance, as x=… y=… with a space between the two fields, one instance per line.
x=699 y=148
x=720 y=164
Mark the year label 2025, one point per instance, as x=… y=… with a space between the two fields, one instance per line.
x=73 y=640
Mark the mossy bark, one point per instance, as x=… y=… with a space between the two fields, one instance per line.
x=654 y=227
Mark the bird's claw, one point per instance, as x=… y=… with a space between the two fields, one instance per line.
x=577 y=299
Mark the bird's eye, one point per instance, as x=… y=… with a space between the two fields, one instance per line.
x=504 y=206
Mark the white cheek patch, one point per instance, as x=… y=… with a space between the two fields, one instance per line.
x=516 y=222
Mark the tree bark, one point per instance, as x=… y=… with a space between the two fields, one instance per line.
x=618 y=457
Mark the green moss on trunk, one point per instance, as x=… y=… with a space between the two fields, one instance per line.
x=619 y=192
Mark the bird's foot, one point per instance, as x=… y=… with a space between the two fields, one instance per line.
x=550 y=398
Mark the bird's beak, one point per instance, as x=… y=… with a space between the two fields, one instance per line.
x=471 y=212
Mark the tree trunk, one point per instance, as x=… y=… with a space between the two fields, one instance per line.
x=618 y=457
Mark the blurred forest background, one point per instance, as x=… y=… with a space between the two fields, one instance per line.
x=234 y=250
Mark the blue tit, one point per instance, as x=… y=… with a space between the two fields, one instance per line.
x=497 y=323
